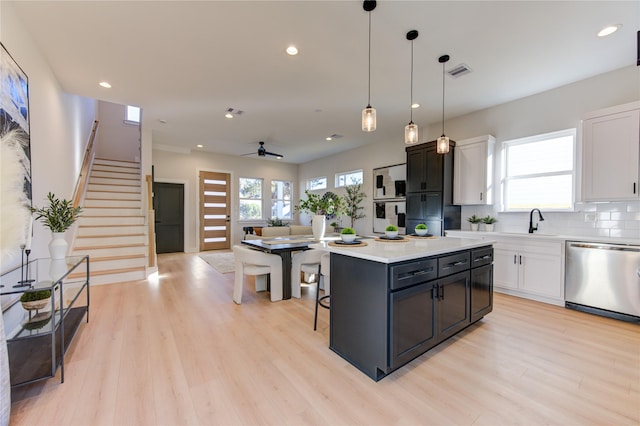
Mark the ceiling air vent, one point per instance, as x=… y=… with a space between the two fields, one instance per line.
x=459 y=70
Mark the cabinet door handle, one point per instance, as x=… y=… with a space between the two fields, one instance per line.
x=634 y=187
x=520 y=259
x=514 y=259
x=481 y=196
x=480 y=259
x=422 y=272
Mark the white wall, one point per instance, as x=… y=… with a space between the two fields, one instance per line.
x=183 y=167
x=553 y=110
x=60 y=124
x=116 y=140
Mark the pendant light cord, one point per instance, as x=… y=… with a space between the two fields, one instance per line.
x=369 y=89
x=442 y=98
x=411 y=96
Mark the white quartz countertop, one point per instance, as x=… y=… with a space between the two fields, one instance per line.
x=537 y=236
x=398 y=251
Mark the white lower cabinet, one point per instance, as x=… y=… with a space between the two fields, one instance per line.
x=531 y=269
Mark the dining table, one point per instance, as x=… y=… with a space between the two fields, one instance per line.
x=283 y=247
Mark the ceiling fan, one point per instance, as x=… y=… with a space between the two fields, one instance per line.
x=262 y=151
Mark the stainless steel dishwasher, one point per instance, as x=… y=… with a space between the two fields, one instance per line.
x=603 y=279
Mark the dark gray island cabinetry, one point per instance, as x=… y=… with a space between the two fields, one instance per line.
x=389 y=310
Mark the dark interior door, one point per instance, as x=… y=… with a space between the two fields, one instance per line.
x=168 y=203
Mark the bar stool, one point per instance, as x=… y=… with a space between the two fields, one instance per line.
x=323 y=276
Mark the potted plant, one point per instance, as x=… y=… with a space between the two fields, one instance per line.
x=34 y=300
x=488 y=222
x=58 y=216
x=326 y=206
x=352 y=200
x=276 y=222
x=474 y=221
x=348 y=235
x=391 y=231
x=421 y=229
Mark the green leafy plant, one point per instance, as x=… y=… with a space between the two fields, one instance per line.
x=391 y=228
x=31 y=296
x=58 y=215
x=488 y=220
x=328 y=204
x=348 y=231
x=474 y=219
x=276 y=222
x=421 y=226
x=352 y=201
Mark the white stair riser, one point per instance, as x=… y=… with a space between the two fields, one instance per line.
x=110 y=195
x=118 y=278
x=110 y=251
x=107 y=162
x=115 y=183
x=100 y=211
x=116 y=169
x=116 y=175
x=107 y=265
x=101 y=220
x=110 y=241
x=127 y=204
x=116 y=229
x=97 y=187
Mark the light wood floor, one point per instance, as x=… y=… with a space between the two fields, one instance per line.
x=180 y=352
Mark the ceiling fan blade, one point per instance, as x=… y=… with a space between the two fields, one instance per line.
x=250 y=153
x=274 y=154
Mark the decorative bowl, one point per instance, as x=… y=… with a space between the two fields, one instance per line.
x=421 y=232
x=391 y=234
x=348 y=238
x=36 y=304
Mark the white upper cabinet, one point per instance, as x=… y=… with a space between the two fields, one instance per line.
x=611 y=154
x=473 y=171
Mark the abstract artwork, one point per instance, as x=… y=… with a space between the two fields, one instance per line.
x=15 y=169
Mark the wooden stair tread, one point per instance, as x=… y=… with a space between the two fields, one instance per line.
x=76 y=249
x=123 y=257
x=110 y=235
x=110 y=272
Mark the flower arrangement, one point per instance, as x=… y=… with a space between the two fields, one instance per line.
x=58 y=215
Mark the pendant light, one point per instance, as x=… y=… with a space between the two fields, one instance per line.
x=442 y=145
x=369 y=113
x=411 y=129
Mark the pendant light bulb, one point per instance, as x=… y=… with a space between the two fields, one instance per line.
x=442 y=145
x=411 y=129
x=369 y=113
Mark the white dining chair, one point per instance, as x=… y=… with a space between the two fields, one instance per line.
x=307 y=261
x=262 y=266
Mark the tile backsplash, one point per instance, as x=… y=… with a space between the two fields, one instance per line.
x=613 y=219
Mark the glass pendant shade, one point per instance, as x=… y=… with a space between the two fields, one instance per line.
x=442 y=145
x=411 y=133
x=369 y=119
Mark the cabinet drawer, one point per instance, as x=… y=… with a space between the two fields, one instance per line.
x=457 y=262
x=481 y=257
x=413 y=273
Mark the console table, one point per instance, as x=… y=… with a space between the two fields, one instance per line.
x=38 y=340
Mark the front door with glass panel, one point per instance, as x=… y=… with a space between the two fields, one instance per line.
x=215 y=211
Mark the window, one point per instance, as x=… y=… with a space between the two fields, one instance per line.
x=348 y=178
x=250 y=199
x=538 y=171
x=133 y=115
x=280 y=199
x=317 y=183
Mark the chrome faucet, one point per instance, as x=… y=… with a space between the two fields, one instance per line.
x=531 y=228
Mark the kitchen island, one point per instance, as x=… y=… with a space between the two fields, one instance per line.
x=391 y=301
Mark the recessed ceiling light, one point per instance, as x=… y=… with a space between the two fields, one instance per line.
x=200 y=146
x=162 y=120
x=228 y=115
x=232 y=113
x=328 y=138
x=415 y=105
x=105 y=85
x=292 y=50
x=609 y=30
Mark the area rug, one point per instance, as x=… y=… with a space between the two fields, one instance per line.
x=221 y=262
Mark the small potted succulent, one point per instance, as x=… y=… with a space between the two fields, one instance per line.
x=35 y=300
x=474 y=221
x=421 y=229
x=348 y=235
x=488 y=223
x=391 y=231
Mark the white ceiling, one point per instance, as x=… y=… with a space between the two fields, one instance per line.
x=187 y=62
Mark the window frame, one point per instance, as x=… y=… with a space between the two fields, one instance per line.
x=283 y=200
x=241 y=199
x=505 y=180
x=344 y=175
x=326 y=183
x=127 y=116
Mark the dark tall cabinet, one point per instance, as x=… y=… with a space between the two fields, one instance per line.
x=430 y=189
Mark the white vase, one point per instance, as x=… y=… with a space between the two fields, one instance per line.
x=58 y=246
x=488 y=227
x=474 y=226
x=318 y=226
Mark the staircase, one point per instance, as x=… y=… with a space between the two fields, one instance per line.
x=112 y=227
